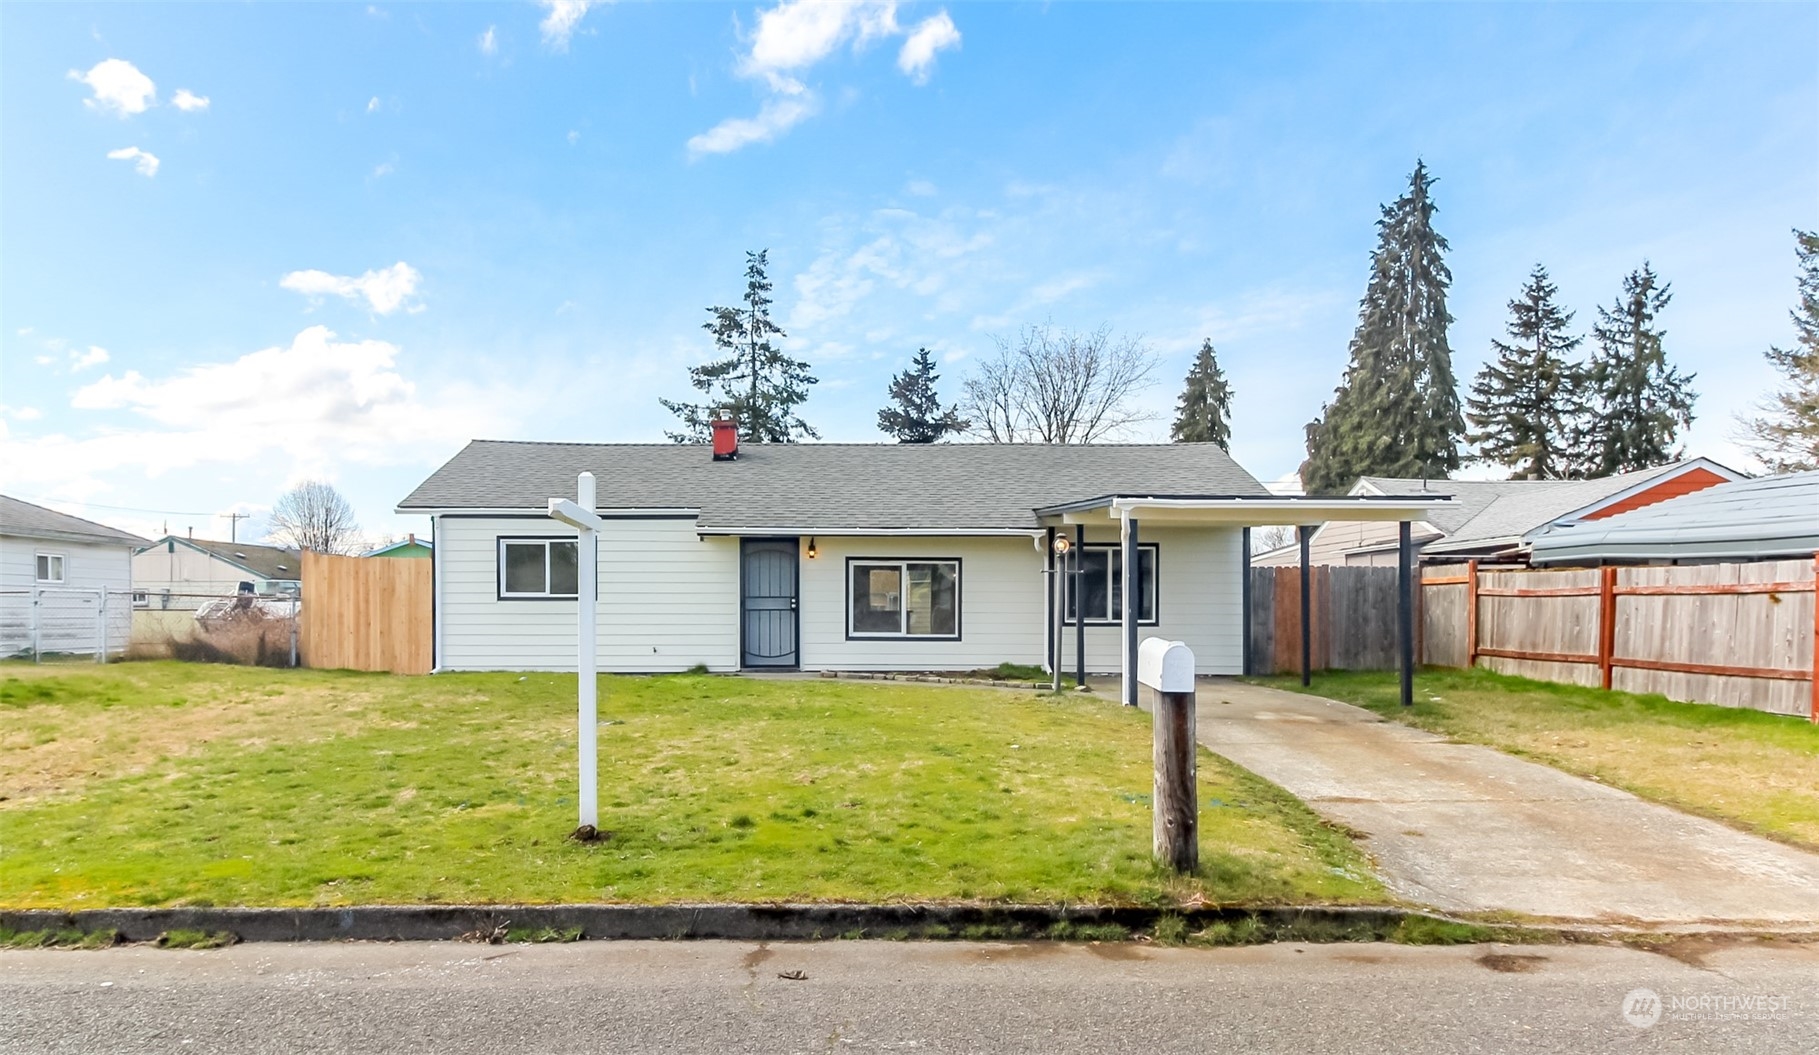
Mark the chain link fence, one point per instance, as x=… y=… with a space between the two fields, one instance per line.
x=49 y=624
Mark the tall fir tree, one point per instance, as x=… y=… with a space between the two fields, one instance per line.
x=915 y=414
x=1396 y=413
x=1204 y=412
x=1525 y=405
x=1784 y=437
x=1641 y=402
x=754 y=383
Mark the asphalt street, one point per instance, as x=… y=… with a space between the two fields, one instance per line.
x=910 y=997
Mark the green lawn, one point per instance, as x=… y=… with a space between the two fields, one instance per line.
x=167 y=784
x=1753 y=770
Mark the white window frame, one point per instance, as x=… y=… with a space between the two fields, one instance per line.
x=902 y=632
x=62 y=576
x=547 y=542
x=1115 y=617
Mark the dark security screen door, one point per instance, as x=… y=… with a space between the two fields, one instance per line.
x=767 y=604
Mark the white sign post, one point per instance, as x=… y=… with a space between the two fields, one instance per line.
x=581 y=516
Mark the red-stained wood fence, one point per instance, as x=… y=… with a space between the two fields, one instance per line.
x=1741 y=635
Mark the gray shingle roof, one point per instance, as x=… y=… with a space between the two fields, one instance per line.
x=266 y=562
x=827 y=486
x=1498 y=509
x=1775 y=516
x=34 y=521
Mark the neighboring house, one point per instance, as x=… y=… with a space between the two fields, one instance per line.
x=1492 y=519
x=183 y=573
x=845 y=556
x=1772 y=518
x=411 y=547
x=60 y=577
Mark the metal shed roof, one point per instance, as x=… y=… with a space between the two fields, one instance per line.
x=1775 y=516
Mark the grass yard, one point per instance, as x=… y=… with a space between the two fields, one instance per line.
x=174 y=784
x=1753 y=770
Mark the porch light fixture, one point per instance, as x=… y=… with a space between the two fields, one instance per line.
x=1062 y=544
x=811 y=547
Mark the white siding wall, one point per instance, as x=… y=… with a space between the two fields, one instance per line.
x=668 y=599
x=1001 y=606
x=1202 y=600
x=189 y=575
x=66 y=615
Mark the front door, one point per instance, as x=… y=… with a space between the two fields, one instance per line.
x=767 y=602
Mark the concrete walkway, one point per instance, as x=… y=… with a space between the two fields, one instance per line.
x=1466 y=828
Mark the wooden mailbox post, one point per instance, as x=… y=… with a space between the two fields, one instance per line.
x=1165 y=673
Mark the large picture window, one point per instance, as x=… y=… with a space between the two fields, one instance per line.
x=903 y=598
x=1102 y=568
x=538 y=567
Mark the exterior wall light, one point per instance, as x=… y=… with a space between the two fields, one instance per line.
x=1062 y=545
x=811 y=547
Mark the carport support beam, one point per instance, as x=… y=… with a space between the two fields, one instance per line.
x=1079 y=620
x=1133 y=583
x=1305 y=533
x=1405 y=611
x=586 y=648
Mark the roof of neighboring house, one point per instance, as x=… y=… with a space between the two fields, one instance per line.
x=34 y=521
x=1775 y=516
x=403 y=543
x=264 y=562
x=829 y=486
x=1500 y=512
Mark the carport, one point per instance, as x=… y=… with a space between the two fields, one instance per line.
x=1305 y=513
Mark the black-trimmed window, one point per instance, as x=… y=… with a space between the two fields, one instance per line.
x=902 y=598
x=538 y=567
x=1102 y=569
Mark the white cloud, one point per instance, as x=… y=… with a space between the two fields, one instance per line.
x=574 y=136
x=385 y=290
x=119 y=87
x=489 y=41
x=21 y=413
x=917 y=59
x=189 y=101
x=795 y=35
x=79 y=360
x=372 y=105
x=318 y=404
x=776 y=116
x=921 y=188
x=561 y=19
x=144 y=164
x=384 y=169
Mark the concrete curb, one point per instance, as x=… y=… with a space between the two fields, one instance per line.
x=622 y=922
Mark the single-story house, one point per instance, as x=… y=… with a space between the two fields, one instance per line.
x=832 y=556
x=410 y=547
x=64 y=581
x=1491 y=520
x=178 y=572
x=1771 y=518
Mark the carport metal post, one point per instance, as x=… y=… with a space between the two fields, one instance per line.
x=1133 y=583
x=1405 y=611
x=1305 y=533
x=581 y=516
x=1079 y=619
x=1244 y=591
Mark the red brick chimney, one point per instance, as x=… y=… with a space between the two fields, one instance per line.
x=726 y=439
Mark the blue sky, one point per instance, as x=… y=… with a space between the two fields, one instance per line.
x=371 y=233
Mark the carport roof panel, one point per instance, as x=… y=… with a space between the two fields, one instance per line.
x=1246 y=510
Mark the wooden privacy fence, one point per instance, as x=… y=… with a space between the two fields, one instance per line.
x=1352 y=615
x=364 y=613
x=1741 y=635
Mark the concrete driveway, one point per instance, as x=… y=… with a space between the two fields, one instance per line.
x=1470 y=829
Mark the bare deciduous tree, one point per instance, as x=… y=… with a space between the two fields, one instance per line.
x=1059 y=386
x=314 y=516
x=1274 y=536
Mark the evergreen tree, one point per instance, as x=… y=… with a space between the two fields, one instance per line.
x=1396 y=413
x=754 y=383
x=1205 y=410
x=1525 y=404
x=1785 y=436
x=1642 y=403
x=917 y=415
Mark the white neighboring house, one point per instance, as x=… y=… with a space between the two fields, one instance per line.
x=183 y=573
x=829 y=557
x=64 y=582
